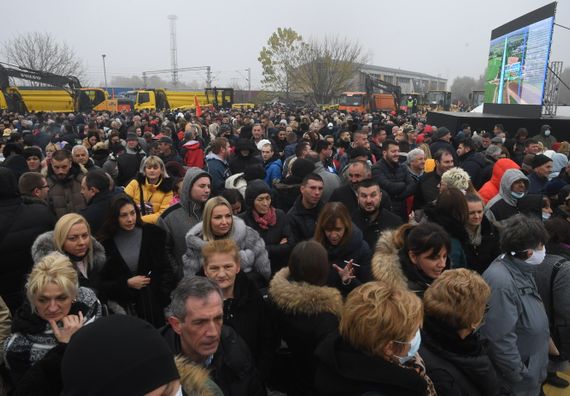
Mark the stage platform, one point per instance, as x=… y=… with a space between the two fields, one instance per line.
x=560 y=125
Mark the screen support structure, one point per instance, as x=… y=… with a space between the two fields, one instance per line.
x=550 y=101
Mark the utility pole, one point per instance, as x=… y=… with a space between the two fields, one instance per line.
x=173 y=50
x=208 y=77
x=104 y=70
x=248 y=84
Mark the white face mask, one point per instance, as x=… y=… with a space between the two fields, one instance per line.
x=547 y=132
x=179 y=393
x=537 y=256
x=545 y=216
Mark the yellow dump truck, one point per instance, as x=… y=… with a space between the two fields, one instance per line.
x=65 y=95
x=152 y=99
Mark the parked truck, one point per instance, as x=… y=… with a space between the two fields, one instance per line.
x=379 y=96
x=65 y=94
x=159 y=98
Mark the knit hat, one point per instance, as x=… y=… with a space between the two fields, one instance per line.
x=117 y=355
x=456 y=177
x=33 y=152
x=254 y=172
x=165 y=139
x=441 y=132
x=132 y=136
x=302 y=167
x=539 y=160
x=253 y=190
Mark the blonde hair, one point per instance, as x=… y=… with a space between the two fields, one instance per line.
x=62 y=228
x=209 y=207
x=220 y=246
x=457 y=297
x=53 y=268
x=456 y=177
x=376 y=313
x=152 y=161
x=425 y=148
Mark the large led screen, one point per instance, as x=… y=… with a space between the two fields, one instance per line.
x=518 y=59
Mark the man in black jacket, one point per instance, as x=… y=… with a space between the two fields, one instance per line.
x=305 y=211
x=428 y=185
x=394 y=177
x=370 y=217
x=472 y=162
x=95 y=188
x=196 y=331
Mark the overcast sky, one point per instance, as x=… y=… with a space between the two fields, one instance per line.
x=445 y=38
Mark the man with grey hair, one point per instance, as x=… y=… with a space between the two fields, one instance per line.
x=416 y=162
x=80 y=156
x=195 y=330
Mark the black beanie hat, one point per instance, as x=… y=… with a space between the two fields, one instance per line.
x=254 y=172
x=441 y=132
x=115 y=356
x=539 y=160
x=253 y=190
x=302 y=167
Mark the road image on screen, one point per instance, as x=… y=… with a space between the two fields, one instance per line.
x=518 y=60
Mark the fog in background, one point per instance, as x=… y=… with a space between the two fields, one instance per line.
x=441 y=38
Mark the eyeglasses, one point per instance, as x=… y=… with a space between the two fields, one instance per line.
x=42 y=187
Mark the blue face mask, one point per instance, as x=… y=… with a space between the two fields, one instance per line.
x=517 y=195
x=414 y=348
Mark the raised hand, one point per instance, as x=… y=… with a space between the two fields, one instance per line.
x=71 y=323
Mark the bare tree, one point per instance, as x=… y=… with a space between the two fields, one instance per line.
x=41 y=51
x=327 y=68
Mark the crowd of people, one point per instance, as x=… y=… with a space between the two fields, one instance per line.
x=281 y=250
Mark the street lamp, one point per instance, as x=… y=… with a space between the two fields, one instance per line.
x=104 y=70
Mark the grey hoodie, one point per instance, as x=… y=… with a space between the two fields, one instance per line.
x=180 y=218
x=509 y=177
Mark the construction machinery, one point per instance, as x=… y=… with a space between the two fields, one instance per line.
x=438 y=100
x=379 y=96
x=159 y=98
x=65 y=94
x=476 y=98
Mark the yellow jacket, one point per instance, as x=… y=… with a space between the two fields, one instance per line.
x=158 y=195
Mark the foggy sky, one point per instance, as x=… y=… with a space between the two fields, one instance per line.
x=441 y=38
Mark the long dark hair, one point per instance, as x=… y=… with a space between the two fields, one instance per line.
x=111 y=224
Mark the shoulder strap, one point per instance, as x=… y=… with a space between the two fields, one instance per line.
x=555 y=268
x=141 y=205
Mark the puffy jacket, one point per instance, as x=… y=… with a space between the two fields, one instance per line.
x=397 y=181
x=159 y=195
x=474 y=163
x=491 y=188
x=65 y=194
x=273 y=172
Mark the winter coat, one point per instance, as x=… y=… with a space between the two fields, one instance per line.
x=557 y=307
x=32 y=336
x=536 y=183
x=178 y=219
x=238 y=163
x=330 y=180
x=355 y=248
x=516 y=326
x=397 y=181
x=479 y=257
x=392 y=265
x=371 y=229
x=303 y=221
x=5 y=325
x=149 y=302
x=253 y=255
x=219 y=171
x=457 y=367
x=20 y=223
x=44 y=245
x=65 y=195
x=504 y=205
x=158 y=195
x=238 y=182
x=273 y=172
x=287 y=193
x=345 y=371
x=97 y=210
x=473 y=163
x=427 y=189
x=547 y=141
x=128 y=166
x=491 y=188
x=232 y=367
x=195 y=379
x=456 y=231
x=441 y=144
x=278 y=252
x=303 y=315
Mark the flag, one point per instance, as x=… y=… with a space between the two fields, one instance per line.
x=198 y=108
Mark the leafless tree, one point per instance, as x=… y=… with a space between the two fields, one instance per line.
x=41 y=51
x=327 y=68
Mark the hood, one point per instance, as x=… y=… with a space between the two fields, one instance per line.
x=559 y=162
x=303 y=298
x=192 y=174
x=385 y=262
x=215 y=156
x=510 y=176
x=245 y=144
x=9 y=184
x=195 y=379
x=192 y=145
x=499 y=169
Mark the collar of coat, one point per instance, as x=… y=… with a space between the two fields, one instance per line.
x=195 y=379
x=385 y=263
x=302 y=297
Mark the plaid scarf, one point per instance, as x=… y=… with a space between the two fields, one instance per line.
x=267 y=220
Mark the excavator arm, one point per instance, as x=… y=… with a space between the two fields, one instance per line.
x=373 y=83
x=69 y=83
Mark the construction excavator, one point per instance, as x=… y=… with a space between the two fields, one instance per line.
x=64 y=94
x=380 y=95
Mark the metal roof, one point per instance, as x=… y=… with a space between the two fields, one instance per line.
x=390 y=70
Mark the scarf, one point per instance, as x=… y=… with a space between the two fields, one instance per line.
x=474 y=236
x=417 y=364
x=267 y=220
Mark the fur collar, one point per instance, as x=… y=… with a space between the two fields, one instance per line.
x=303 y=298
x=43 y=245
x=194 y=379
x=386 y=263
